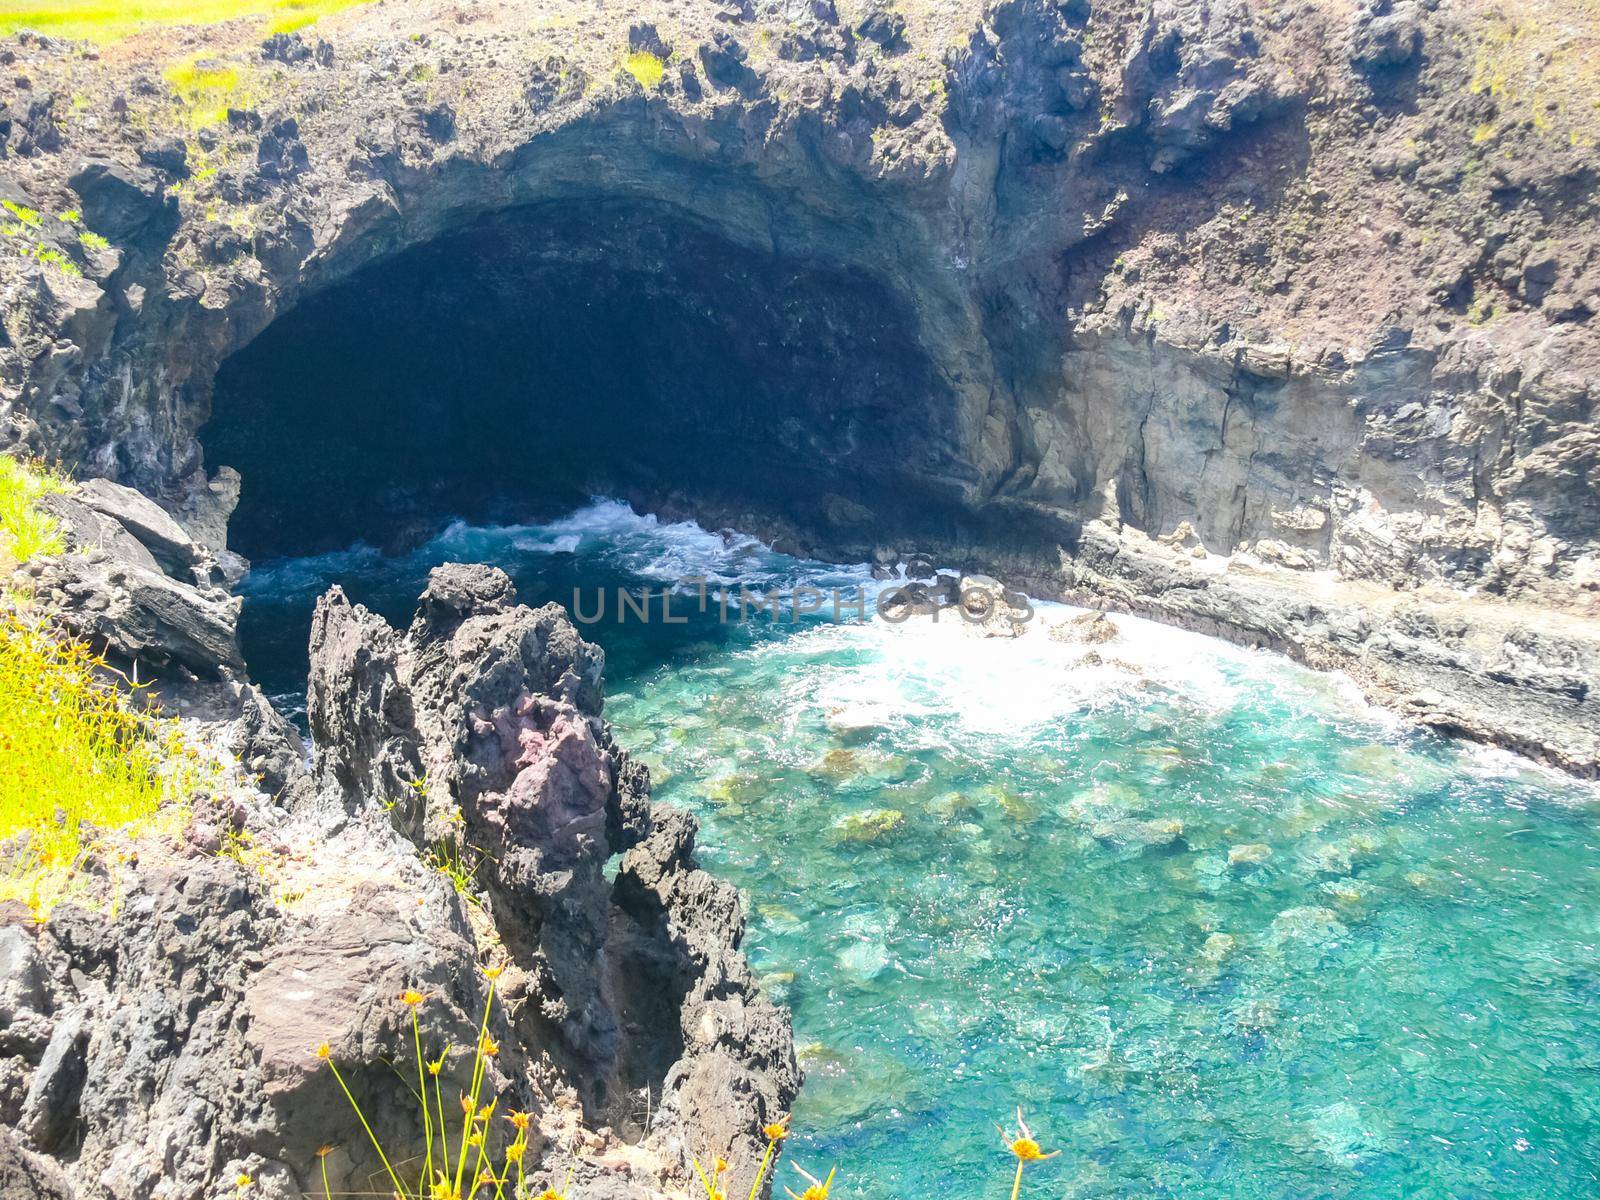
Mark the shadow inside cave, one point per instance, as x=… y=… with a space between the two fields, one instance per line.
x=546 y=354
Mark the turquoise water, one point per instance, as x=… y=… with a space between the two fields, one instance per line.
x=1217 y=927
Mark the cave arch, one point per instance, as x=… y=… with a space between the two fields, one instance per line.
x=549 y=351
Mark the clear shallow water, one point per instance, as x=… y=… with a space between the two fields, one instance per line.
x=1218 y=928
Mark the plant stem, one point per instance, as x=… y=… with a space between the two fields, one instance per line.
x=483 y=1161
x=762 y=1170
x=382 y=1157
x=1017 y=1186
x=477 y=1079
x=427 y=1114
x=444 y=1128
x=711 y=1192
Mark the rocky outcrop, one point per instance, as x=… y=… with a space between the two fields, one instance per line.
x=481 y=727
x=163 y=1046
x=134 y=583
x=1440 y=660
x=155 y=605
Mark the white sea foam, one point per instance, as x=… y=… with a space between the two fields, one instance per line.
x=673 y=551
x=565 y=544
x=900 y=672
x=297 y=576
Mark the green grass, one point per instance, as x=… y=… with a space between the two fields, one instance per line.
x=96 y=21
x=206 y=88
x=80 y=761
x=645 y=67
x=79 y=757
x=25 y=532
x=26 y=235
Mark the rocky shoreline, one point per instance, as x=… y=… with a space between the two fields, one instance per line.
x=1064 y=287
x=1273 y=325
x=1502 y=674
x=157 y=1033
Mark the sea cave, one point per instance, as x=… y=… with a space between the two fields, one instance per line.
x=1108 y=700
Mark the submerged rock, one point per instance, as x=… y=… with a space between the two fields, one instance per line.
x=1251 y=854
x=1345 y=855
x=1311 y=924
x=873 y=825
x=1088 y=629
x=838 y=764
x=1148 y=834
x=1218 y=946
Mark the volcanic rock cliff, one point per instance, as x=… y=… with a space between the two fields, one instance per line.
x=1275 y=321
x=1270 y=320
x=157 y=1031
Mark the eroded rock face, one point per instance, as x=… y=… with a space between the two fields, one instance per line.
x=487 y=722
x=153 y=601
x=1055 y=193
x=163 y=1047
x=1295 y=280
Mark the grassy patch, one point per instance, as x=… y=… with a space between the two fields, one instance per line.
x=206 y=88
x=25 y=532
x=79 y=757
x=1541 y=61
x=80 y=761
x=26 y=234
x=98 y=21
x=645 y=67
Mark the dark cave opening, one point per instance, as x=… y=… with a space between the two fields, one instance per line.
x=543 y=355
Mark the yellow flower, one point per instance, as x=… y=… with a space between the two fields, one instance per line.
x=489 y=1046
x=242 y=1182
x=324 y=1052
x=515 y=1151
x=468 y=1104
x=712 y=1184
x=776 y=1131
x=519 y=1119
x=486 y=1111
x=492 y=973
x=549 y=1194
x=436 y=1066
x=475 y=1140
x=1022 y=1143
x=819 y=1187
x=442 y=1189
x=721 y=1166
x=411 y=997
x=324 y=1151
